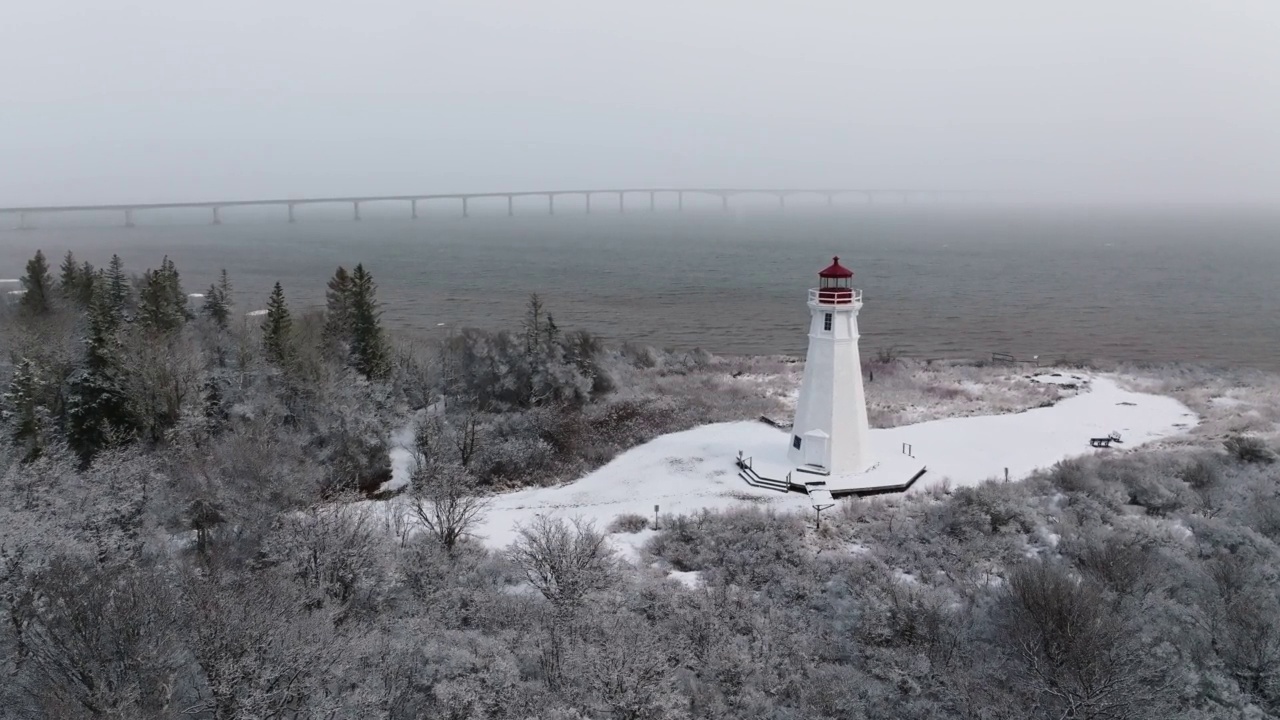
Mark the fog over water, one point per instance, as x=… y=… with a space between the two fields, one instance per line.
x=1144 y=285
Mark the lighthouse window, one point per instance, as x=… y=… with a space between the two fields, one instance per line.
x=826 y=322
x=795 y=441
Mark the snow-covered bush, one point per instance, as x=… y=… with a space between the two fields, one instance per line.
x=1248 y=449
x=629 y=523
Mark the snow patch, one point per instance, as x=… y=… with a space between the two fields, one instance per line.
x=1226 y=402
x=690 y=579
x=691 y=470
x=629 y=545
x=255 y=313
x=1060 y=379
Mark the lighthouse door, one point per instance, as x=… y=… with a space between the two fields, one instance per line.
x=816 y=448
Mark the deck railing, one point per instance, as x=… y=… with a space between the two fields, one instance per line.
x=828 y=296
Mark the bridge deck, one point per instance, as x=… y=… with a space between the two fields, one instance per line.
x=719 y=192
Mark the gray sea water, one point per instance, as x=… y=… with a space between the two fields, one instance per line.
x=1138 y=285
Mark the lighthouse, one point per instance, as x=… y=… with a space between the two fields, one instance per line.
x=830 y=434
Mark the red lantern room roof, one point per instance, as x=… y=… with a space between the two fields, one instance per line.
x=835 y=270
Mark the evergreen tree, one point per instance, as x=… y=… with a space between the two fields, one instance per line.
x=118 y=292
x=23 y=411
x=155 y=303
x=162 y=305
x=97 y=406
x=217 y=301
x=215 y=306
x=276 y=328
x=533 y=326
x=215 y=411
x=551 y=332
x=224 y=286
x=173 y=287
x=336 y=333
x=38 y=285
x=85 y=287
x=71 y=280
x=369 y=354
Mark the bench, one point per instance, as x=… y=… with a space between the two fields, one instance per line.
x=1105 y=442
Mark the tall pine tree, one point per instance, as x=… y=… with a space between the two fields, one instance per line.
x=162 y=305
x=224 y=286
x=277 y=326
x=217 y=302
x=38 y=285
x=215 y=307
x=369 y=354
x=98 y=413
x=118 y=294
x=23 y=411
x=336 y=333
x=173 y=286
x=87 y=278
x=70 y=281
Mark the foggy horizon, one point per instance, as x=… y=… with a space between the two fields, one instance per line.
x=148 y=102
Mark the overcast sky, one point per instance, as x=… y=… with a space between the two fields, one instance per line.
x=158 y=100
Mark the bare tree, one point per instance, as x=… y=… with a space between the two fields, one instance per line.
x=563 y=560
x=446 y=502
x=626 y=666
x=1075 y=653
x=466 y=437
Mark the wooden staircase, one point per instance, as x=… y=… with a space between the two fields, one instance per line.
x=755 y=479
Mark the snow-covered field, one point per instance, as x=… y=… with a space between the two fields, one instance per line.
x=687 y=471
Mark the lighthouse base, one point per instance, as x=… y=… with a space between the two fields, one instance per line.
x=893 y=473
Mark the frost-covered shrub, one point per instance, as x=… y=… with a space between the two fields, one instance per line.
x=1248 y=449
x=974 y=511
x=1202 y=473
x=514 y=461
x=629 y=523
x=1073 y=475
x=747 y=547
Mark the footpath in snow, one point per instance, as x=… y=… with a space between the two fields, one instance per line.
x=687 y=471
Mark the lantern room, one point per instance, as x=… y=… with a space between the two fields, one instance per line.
x=835 y=285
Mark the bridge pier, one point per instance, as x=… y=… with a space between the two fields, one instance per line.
x=217 y=219
x=291 y=218
x=465 y=212
x=355 y=211
x=413 y=209
x=511 y=206
x=128 y=217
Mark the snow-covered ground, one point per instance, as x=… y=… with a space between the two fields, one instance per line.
x=687 y=471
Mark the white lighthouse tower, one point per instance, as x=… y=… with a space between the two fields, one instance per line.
x=830 y=434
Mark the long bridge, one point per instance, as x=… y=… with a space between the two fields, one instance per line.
x=27 y=214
